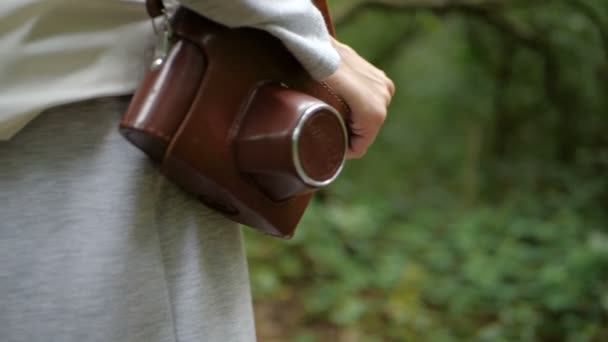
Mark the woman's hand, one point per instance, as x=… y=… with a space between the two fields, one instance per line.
x=368 y=92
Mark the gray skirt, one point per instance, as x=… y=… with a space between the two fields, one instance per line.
x=95 y=245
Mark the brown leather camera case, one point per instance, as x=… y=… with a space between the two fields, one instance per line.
x=233 y=118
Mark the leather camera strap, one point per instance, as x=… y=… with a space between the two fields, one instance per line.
x=155 y=8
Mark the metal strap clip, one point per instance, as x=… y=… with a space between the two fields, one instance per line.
x=164 y=34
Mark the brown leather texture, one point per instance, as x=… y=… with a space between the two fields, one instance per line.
x=265 y=148
x=221 y=114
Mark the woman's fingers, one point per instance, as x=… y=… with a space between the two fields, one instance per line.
x=368 y=91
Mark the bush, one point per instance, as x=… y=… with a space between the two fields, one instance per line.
x=481 y=214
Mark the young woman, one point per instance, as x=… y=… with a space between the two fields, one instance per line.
x=94 y=244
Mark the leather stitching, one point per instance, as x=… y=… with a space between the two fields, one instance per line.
x=338 y=98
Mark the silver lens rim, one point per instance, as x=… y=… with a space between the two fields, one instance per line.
x=295 y=138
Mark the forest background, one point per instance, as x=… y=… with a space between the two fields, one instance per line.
x=481 y=213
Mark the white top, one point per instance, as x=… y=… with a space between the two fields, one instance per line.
x=59 y=51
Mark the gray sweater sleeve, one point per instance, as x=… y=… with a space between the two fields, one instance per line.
x=297 y=23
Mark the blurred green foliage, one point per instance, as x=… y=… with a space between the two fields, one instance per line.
x=481 y=213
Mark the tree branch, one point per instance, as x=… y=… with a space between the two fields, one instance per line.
x=411 y=5
x=591 y=14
